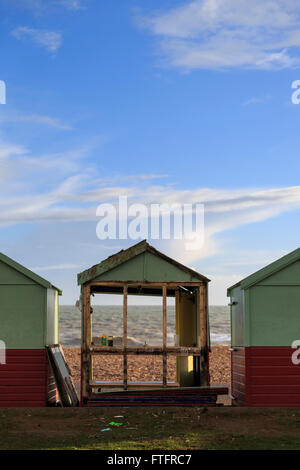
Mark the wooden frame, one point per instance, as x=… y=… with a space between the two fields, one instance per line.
x=88 y=350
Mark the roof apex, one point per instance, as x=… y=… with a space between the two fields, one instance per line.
x=35 y=277
x=267 y=271
x=127 y=254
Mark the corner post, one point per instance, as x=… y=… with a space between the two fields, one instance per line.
x=165 y=335
x=86 y=369
x=204 y=370
x=125 y=337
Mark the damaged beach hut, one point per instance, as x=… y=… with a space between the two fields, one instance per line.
x=141 y=270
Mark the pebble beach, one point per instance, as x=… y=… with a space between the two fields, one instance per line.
x=147 y=368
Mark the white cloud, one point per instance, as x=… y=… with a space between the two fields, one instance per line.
x=58 y=267
x=216 y=34
x=48 y=190
x=49 y=40
x=70 y=191
x=44 y=6
x=72 y=4
x=36 y=119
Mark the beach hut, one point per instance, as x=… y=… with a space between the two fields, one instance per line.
x=28 y=322
x=143 y=270
x=265 y=323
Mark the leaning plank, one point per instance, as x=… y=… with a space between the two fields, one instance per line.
x=66 y=390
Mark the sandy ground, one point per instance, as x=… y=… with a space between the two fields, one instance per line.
x=147 y=367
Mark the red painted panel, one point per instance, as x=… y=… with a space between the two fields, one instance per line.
x=270 y=351
x=10 y=359
x=22 y=404
x=272 y=378
x=22 y=390
x=280 y=380
x=23 y=379
x=22 y=367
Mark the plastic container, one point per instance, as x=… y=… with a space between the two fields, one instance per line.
x=104 y=340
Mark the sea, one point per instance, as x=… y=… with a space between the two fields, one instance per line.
x=144 y=324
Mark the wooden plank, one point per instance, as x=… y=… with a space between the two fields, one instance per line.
x=164 y=335
x=125 y=367
x=145 y=284
x=86 y=343
x=61 y=372
x=131 y=384
x=204 y=372
x=146 y=350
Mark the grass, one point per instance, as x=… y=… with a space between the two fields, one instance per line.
x=152 y=428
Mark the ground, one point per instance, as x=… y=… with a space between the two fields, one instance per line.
x=150 y=428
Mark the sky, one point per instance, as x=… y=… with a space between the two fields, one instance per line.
x=163 y=102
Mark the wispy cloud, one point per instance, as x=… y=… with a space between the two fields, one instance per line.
x=45 y=6
x=58 y=267
x=256 y=100
x=49 y=40
x=72 y=192
x=72 y=4
x=215 y=34
x=36 y=119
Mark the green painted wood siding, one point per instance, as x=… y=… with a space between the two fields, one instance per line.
x=146 y=267
x=10 y=276
x=289 y=276
x=28 y=310
x=274 y=315
x=22 y=316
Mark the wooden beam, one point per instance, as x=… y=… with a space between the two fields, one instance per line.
x=125 y=379
x=145 y=284
x=146 y=350
x=86 y=364
x=204 y=372
x=165 y=371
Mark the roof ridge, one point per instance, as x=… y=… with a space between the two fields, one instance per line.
x=27 y=272
x=126 y=255
x=268 y=270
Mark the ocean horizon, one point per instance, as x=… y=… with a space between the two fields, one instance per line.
x=144 y=324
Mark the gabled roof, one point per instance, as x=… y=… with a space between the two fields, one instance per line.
x=267 y=271
x=125 y=255
x=26 y=272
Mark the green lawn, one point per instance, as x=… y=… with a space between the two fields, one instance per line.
x=150 y=428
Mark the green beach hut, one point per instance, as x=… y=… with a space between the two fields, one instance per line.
x=265 y=324
x=28 y=322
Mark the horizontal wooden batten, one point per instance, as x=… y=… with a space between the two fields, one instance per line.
x=145 y=350
x=144 y=284
x=130 y=384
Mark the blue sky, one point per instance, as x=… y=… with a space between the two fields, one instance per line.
x=173 y=101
